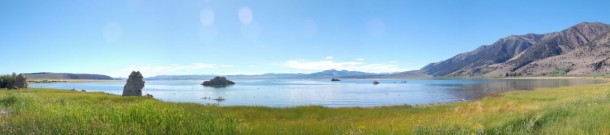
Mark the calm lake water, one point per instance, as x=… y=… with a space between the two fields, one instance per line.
x=345 y=93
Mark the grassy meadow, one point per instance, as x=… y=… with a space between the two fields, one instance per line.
x=566 y=110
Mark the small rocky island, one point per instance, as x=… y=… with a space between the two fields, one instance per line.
x=218 y=81
x=334 y=79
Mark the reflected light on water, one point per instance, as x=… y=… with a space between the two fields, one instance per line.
x=345 y=93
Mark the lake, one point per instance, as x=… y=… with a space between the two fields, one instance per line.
x=344 y=93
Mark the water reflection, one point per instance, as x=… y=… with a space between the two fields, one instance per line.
x=471 y=91
x=346 y=93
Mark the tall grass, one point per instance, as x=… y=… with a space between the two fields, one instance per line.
x=566 y=110
x=78 y=113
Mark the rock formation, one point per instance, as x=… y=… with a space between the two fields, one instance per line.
x=375 y=82
x=134 y=84
x=334 y=79
x=21 y=82
x=218 y=81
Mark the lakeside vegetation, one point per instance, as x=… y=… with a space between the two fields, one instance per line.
x=7 y=81
x=13 y=81
x=565 y=110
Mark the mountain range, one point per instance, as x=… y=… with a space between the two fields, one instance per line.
x=323 y=74
x=578 y=50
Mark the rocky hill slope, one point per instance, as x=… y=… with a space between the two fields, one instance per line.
x=579 y=50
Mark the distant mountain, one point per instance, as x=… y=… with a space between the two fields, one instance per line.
x=336 y=73
x=558 y=53
x=51 y=76
x=406 y=74
x=323 y=74
x=180 y=77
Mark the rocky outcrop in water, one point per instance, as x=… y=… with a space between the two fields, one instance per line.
x=134 y=84
x=218 y=81
x=20 y=82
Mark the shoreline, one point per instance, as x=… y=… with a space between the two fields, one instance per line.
x=553 y=110
x=558 y=77
x=607 y=80
x=352 y=107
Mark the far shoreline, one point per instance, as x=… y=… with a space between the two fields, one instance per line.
x=69 y=80
x=37 y=81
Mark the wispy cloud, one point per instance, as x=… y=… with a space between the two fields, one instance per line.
x=150 y=70
x=357 y=65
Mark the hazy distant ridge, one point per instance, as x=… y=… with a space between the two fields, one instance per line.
x=323 y=74
x=51 y=76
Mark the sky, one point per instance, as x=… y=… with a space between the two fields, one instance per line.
x=161 y=37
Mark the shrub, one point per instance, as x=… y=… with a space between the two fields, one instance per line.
x=7 y=81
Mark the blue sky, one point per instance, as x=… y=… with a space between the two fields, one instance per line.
x=270 y=36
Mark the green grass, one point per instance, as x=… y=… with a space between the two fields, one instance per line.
x=41 y=111
x=565 y=110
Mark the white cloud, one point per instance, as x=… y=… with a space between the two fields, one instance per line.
x=149 y=70
x=348 y=65
x=360 y=59
x=329 y=57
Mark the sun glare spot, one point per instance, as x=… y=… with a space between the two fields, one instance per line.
x=245 y=15
x=206 y=16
